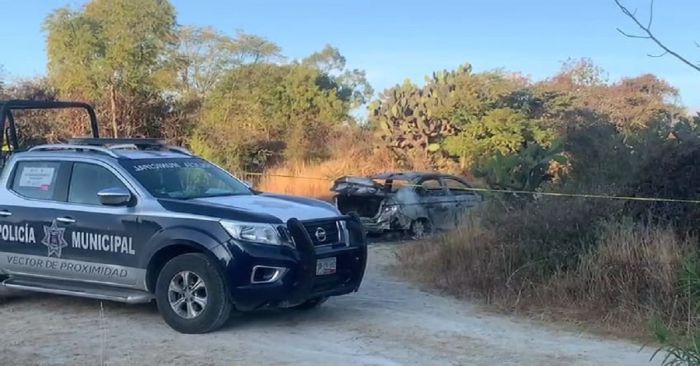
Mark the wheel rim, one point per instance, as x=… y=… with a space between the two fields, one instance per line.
x=187 y=294
x=418 y=229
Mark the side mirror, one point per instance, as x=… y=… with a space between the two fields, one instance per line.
x=116 y=196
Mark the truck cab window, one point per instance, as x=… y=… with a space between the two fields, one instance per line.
x=88 y=179
x=35 y=179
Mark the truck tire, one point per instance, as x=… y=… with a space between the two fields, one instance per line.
x=310 y=304
x=191 y=294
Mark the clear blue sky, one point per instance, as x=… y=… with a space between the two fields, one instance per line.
x=395 y=40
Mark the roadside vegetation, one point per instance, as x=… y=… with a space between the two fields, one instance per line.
x=292 y=125
x=566 y=259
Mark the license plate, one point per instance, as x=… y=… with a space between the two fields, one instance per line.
x=325 y=266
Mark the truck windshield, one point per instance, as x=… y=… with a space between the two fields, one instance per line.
x=187 y=178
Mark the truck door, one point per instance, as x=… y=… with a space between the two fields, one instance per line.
x=32 y=198
x=104 y=241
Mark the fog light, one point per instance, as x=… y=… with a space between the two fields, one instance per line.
x=266 y=274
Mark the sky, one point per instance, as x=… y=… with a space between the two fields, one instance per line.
x=398 y=40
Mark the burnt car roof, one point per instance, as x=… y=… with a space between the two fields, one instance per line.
x=409 y=175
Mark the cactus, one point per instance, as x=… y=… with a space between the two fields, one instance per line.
x=408 y=120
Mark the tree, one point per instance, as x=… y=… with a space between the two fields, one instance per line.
x=580 y=96
x=502 y=131
x=112 y=52
x=434 y=122
x=204 y=55
x=352 y=84
x=252 y=49
x=200 y=60
x=648 y=34
x=260 y=113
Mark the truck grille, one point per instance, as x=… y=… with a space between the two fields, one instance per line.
x=323 y=233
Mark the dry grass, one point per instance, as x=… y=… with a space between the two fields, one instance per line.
x=615 y=280
x=633 y=270
x=315 y=180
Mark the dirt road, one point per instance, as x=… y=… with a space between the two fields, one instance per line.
x=389 y=322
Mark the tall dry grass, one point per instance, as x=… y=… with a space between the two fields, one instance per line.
x=353 y=154
x=351 y=151
x=618 y=274
x=634 y=271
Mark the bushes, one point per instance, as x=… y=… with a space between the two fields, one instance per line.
x=561 y=254
x=498 y=253
x=633 y=272
x=550 y=232
x=673 y=172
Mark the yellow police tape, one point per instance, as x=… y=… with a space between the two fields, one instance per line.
x=508 y=191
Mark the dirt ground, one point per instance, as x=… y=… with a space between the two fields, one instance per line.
x=388 y=322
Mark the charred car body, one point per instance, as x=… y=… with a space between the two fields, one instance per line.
x=135 y=220
x=415 y=202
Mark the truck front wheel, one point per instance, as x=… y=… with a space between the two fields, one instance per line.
x=191 y=294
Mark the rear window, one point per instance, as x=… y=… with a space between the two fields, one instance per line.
x=35 y=179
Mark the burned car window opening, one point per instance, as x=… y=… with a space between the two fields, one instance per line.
x=457 y=188
x=432 y=187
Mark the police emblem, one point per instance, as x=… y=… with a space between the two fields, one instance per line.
x=54 y=240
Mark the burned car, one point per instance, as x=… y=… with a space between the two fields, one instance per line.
x=414 y=202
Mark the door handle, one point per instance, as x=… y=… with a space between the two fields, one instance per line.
x=65 y=220
x=5 y=213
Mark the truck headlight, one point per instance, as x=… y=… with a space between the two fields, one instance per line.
x=253 y=232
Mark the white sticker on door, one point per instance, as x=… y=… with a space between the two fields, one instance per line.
x=36 y=177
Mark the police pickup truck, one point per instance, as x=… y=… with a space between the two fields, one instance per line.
x=135 y=220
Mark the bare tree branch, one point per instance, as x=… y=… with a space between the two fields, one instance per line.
x=658 y=55
x=631 y=35
x=649 y=35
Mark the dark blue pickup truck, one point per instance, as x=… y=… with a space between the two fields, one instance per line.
x=136 y=220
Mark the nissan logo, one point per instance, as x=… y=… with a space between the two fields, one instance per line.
x=320 y=234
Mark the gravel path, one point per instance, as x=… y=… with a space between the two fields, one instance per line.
x=388 y=322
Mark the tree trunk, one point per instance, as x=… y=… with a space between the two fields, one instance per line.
x=113 y=106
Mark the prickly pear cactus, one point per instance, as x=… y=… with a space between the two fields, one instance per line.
x=411 y=119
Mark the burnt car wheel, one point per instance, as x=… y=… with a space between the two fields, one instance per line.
x=420 y=228
x=310 y=304
x=191 y=295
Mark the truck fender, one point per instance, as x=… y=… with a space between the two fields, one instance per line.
x=184 y=238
